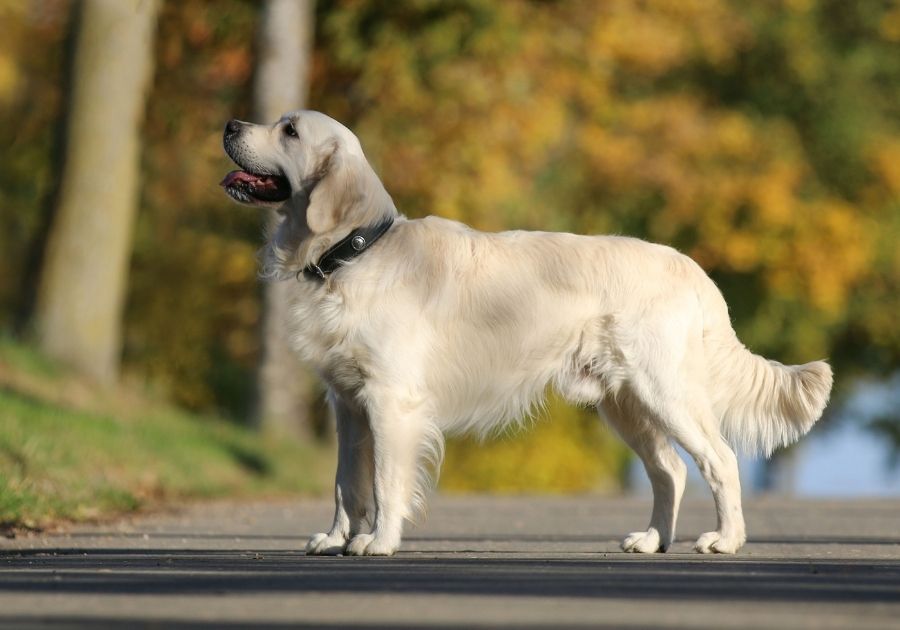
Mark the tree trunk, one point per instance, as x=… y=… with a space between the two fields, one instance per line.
x=282 y=83
x=83 y=282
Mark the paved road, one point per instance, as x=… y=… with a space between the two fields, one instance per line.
x=477 y=562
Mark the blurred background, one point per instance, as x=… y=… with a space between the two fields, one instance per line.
x=140 y=355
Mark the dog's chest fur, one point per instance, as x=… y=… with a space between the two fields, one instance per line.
x=323 y=334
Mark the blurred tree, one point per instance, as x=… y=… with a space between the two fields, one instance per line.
x=193 y=312
x=282 y=82
x=83 y=282
x=32 y=89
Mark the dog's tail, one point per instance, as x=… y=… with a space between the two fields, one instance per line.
x=762 y=404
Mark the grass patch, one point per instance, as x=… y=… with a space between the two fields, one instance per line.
x=70 y=453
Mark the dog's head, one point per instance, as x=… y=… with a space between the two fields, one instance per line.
x=312 y=169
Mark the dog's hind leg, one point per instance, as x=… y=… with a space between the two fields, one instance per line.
x=695 y=428
x=664 y=467
x=353 y=484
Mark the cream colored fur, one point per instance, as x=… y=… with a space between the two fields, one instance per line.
x=440 y=329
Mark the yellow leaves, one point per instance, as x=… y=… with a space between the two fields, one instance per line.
x=735 y=136
x=626 y=25
x=846 y=251
x=12 y=38
x=817 y=252
x=9 y=78
x=496 y=183
x=884 y=158
x=743 y=186
x=774 y=193
x=653 y=38
x=539 y=131
x=890 y=24
x=829 y=251
x=741 y=251
x=614 y=157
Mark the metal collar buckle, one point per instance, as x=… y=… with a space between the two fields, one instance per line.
x=313 y=270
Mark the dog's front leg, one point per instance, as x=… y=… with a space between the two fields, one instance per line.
x=397 y=435
x=353 y=483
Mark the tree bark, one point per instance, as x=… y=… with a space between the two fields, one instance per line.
x=83 y=282
x=286 y=388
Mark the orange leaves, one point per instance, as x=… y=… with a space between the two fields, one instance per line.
x=230 y=66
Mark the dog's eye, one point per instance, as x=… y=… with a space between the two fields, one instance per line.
x=289 y=130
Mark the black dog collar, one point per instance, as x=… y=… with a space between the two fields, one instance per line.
x=347 y=248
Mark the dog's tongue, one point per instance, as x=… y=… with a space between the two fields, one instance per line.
x=257 y=181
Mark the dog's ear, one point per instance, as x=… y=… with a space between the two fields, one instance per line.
x=331 y=189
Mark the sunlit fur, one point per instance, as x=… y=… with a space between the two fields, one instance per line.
x=440 y=329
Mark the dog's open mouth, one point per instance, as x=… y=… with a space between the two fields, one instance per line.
x=251 y=188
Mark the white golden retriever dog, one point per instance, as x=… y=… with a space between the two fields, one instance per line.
x=422 y=328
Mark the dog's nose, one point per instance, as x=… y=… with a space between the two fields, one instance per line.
x=233 y=126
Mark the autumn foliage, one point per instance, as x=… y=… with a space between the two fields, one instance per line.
x=760 y=138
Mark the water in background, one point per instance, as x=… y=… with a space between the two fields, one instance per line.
x=845 y=461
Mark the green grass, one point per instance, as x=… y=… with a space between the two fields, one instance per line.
x=70 y=453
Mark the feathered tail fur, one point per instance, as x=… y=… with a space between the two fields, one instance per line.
x=761 y=404
x=764 y=404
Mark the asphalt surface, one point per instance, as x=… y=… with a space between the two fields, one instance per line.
x=474 y=562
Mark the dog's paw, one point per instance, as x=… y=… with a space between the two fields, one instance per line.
x=716 y=542
x=370 y=545
x=325 y=545
x=643 y=542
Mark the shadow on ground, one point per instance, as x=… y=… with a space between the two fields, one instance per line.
x=196 y=572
